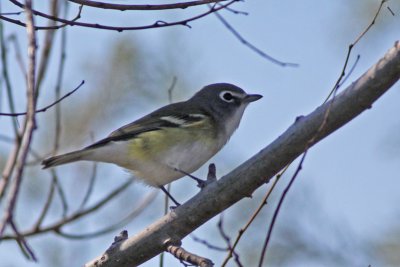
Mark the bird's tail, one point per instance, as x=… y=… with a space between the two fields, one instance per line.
x=66 y=158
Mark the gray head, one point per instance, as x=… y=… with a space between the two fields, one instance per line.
x=224 y=96
x=226 y=102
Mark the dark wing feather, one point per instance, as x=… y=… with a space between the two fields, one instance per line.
x=151 y=122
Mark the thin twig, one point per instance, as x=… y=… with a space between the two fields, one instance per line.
x=350 y=71
x=30 y=121
x=371 y=24
x=391 y=11
x=46 y=107
x=46 y=48
x=14 y=40
x=25 y=248
x=123 y=7
x=6 y=77
x=250 y=45
x=57 y=27
x=61 y=194
x=89 y=190
x=141 y=207
x=351 y=46
x=278 y=208
x=157 y=24
x=12 y=13
x=252 y=218
x=236 y=12
x=60 y=74
x=47 y=203
x=227 y=240
x=8 y=169
x=298 y=169
x=208 y=244
x=55 y=227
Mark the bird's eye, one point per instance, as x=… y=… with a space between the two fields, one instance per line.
x=227 y=96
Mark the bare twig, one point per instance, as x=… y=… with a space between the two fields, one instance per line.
x=60 y=75
x=12 y=13
x=236 y=12
x=46 y=107
x=157 y=24
x=25 y=248
x=145 y=201
x=6 y=77
x=46 y=48
x=391 y=11
x=371 y=24
x=61 y=194
x=351 y=46
x=123 y=7
x=12 y=157
x=47 y=203
x=298 y=169
x=55 y=227
x=208 y=244
x=183 y=255
x=278 y=208
x=350 y=71
x=90 y=186
x=228 y=241
x=252 y=218
x=14 y=40
x=22 y=24
x=30 y=121
x=250 y=45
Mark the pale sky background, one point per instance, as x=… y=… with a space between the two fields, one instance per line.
x=351 y=179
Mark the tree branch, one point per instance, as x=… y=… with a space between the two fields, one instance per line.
x=56 y=226
x=30 y=122
x=157 y=24
x=183 y=255
x=123 y=7
x=44 y=109
x=250 y=45
x=259 y=169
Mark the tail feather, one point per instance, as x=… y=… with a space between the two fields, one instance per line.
x=66 y=158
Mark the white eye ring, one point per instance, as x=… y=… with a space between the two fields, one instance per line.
x=227 y=96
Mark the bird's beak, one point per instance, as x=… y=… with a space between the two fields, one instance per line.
x=252 y=98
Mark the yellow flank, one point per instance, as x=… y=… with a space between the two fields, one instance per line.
x=149 y=145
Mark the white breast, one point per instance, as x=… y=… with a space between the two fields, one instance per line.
x=232 y=123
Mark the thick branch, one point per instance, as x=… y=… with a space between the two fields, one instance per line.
x=259 y=169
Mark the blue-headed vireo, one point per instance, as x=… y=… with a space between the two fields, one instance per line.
x=172 y=141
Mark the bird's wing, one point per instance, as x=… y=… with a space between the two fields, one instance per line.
x=168 y=116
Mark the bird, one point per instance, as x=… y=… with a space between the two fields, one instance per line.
x=172 y=141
